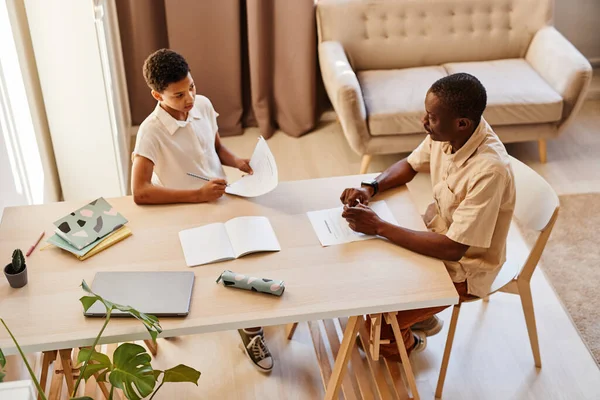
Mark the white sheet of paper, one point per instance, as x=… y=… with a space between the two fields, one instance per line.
x=265 y=177
x=251 y=234
x=206 y=244
x=332 y=229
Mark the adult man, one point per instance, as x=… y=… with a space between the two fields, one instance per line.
x=474 y=197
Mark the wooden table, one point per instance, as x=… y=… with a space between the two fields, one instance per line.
x=349 y=280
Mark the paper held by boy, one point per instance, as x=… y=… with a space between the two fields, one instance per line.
x=264 y=178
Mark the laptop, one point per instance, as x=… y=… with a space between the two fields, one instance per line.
x=162 y=294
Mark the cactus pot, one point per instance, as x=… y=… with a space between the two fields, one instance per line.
x=16 y=280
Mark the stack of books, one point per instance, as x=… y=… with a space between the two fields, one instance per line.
x=90 y=229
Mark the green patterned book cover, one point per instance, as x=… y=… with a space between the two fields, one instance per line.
x=90 y=223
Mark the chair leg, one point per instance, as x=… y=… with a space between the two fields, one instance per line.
x=290 y=329
x=364 y=165
x=486 y=299
x=542 y=150
x=447 y=350
x=527 y=303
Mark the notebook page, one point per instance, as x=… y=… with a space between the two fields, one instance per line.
x=206 y=244
x=251 y=234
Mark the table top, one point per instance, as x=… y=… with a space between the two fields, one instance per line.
x=357 y=278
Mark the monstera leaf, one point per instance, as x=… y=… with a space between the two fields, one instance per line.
x=150 y=321
x=98 y=363
x=132 y=371
x=2 y=364
x=181 y=373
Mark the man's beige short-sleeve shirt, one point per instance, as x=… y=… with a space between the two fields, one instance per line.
x=474 y=200
x=178 y=147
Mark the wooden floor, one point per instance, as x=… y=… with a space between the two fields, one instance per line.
x=491 y=358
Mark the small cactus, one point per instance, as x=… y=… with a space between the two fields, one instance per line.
x=18 y=261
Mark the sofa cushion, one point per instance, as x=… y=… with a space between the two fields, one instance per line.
x=516 y=93
x=395 y=99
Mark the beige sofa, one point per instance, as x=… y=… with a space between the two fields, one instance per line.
x=379 y=57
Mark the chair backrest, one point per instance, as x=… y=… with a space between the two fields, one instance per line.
x=536 y=208
x=536 y=200
x=392 y=34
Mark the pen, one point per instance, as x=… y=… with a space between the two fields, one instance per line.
x=200 y=177
x=35 y=244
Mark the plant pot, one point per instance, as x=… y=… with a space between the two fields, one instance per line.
x=16 y=280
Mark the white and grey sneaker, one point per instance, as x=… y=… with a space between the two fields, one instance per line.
x=255 y=348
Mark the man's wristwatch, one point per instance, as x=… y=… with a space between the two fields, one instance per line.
x=371 y=183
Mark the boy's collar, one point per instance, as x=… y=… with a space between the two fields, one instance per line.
x=171 y=123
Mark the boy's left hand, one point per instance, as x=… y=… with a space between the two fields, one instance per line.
x=244 y=166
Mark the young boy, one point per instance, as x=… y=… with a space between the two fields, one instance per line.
x=181 y=136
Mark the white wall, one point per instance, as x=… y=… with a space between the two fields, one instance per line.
x=579 y=21
x=66 y=49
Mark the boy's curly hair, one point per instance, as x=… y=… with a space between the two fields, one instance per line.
x=164 y=67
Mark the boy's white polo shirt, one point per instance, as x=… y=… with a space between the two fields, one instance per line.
x=178 y=147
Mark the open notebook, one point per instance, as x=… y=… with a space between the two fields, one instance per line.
x=233 y=239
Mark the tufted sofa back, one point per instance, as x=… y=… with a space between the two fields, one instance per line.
x=391 y=34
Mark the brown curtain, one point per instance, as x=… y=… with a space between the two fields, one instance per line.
x=143 y=30
x=256 y=60
x=208 y=35
x=282 y=53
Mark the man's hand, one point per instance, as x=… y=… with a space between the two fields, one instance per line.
x=362 y=219
x=352 y=196
x=244 y=165
x=212 y=190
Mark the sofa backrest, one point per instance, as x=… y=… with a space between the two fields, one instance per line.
x=389 y=34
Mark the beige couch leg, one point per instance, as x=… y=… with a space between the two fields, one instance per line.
x=364 y=165
x=542 y=149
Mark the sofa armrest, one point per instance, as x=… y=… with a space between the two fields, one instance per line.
x=345 y=94
x=562 y=66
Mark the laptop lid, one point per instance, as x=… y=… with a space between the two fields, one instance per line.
x=163 y=294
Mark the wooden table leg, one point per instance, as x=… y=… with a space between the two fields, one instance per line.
x=341 y=362
x=290 y=329
x=56 y=383
x=67 y=368
x=152 y=346
x=47 y=359
x=410 y=376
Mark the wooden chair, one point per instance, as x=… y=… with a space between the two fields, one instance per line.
x=536 y=208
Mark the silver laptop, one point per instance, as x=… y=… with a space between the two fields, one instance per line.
x=163 y=294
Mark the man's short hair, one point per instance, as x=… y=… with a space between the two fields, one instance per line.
x=462 y=94
x=164 y=67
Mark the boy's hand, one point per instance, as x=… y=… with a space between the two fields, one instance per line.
x=212 y=190
x=244 y=166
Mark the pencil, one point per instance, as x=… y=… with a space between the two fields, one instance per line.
x=200 y=177
x=35 y=244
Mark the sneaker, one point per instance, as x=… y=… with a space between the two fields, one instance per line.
x=420 y=341
x=255 y=348
x=431 y=326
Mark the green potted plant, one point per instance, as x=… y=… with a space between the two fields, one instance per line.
x=130 y=369
x=16 y=271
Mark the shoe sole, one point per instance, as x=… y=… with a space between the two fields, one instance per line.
x=431 y=331
x=421 y=349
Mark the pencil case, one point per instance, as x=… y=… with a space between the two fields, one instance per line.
x=240 y=281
